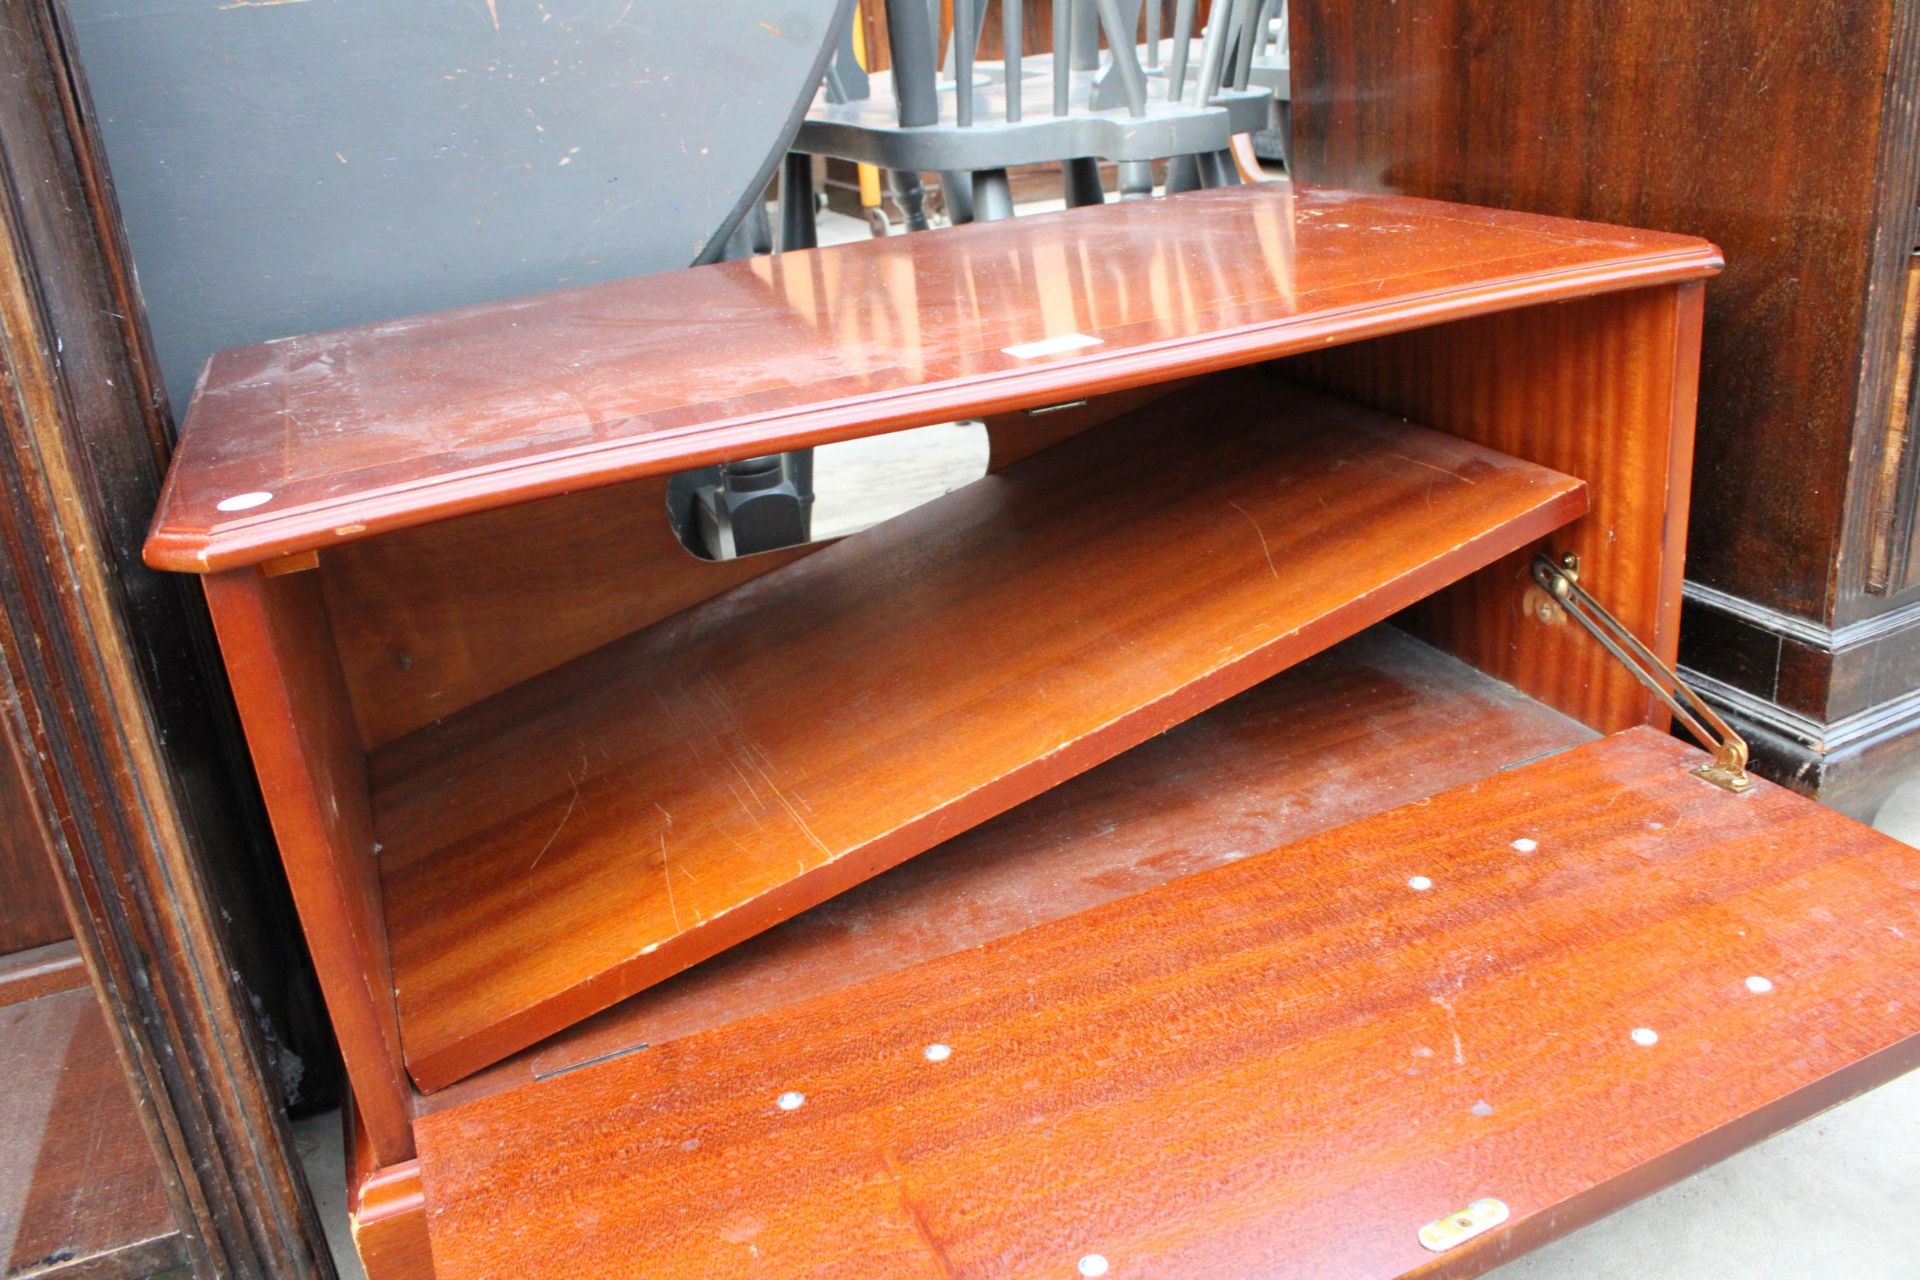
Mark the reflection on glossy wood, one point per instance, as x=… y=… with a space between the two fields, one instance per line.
x=1282 y=1067
x=1294 y=756
x=26 y=975
x=360 y=431
x=1603 y=389
x=585 y=834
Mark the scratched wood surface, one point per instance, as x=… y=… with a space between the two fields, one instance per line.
x=1610 y=974
x=315 y=441
x=1293 y=756
x=577 y=838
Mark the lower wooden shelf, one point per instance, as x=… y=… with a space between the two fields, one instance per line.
x=1559 y=987
x=592 y=831
x=1376 y=721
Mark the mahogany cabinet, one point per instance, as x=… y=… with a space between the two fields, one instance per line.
x=1198 y=847
x=1785 y=132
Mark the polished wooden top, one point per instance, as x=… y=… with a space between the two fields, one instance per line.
x=306 y=442
x=1560 y=987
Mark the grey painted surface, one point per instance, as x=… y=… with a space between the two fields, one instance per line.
x=291 y=165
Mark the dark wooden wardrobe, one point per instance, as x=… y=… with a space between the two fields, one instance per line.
x=1784 y=132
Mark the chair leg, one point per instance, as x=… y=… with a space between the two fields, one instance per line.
x=912 y=197
x=797 y=227
x=759 y=228
x=1183 y=174
x=1217 y=169
x=1083 y=182
x=1136 y=179
x=958 y=189
x=992 y=195
x=739 y=243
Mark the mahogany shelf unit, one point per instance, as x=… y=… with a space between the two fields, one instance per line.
x=595 y=842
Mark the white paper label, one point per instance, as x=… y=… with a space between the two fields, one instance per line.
x=1053 y=346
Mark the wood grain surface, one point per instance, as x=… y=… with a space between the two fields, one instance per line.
x=1798 y=158
x=1293 y=756
x=557 y=848
x=1611 y=974
x=31 y=915
x=1600 y=388
x=361 y=431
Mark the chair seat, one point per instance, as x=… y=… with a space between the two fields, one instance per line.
x=1276 y=78
x=867 y=130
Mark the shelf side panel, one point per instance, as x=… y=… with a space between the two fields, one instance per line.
x=293 y=706
x=1602 y=388
x=591 y=832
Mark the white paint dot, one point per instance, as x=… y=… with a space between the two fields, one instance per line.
x=1525 y=844
x=1645 y=1036
x=791 y=1100
x=1482 y=1108
x=938 y=1053
x=1759 y=985
x=1093 y=1265
x=1420 y=883
x=245 y=501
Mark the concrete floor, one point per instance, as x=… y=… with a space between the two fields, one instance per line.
x=1838 y=1196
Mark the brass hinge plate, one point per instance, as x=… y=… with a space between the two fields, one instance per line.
x=1560 y=579
x=1444 y=1233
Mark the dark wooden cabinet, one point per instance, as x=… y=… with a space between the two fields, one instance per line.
x=80 y=1191
x=165 y=1144
x=1786 y=133
x=32 y=915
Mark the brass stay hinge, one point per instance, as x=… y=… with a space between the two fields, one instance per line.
x=1561 y=580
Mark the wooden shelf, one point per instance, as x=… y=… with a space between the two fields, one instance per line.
x=309 y=442
x=592 y=831
x=1291 y=757
x=1283 y=1067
